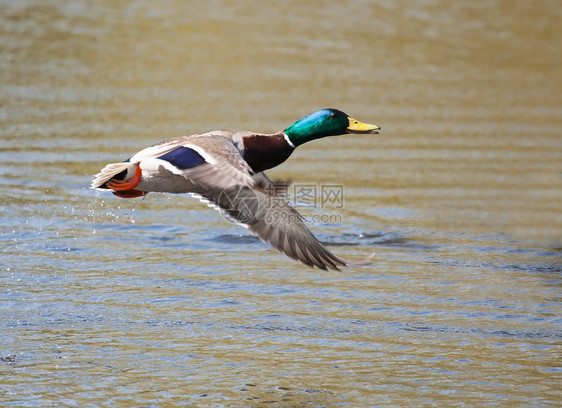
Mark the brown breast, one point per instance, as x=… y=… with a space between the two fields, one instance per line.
x=263 y=152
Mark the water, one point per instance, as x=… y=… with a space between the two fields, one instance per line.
x=160 y=301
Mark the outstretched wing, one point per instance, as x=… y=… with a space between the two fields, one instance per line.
x=209 y=160
x=273 y=220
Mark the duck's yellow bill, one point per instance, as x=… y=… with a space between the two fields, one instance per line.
x=357 y=127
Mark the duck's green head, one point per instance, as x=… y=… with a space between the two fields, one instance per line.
x=326 y=122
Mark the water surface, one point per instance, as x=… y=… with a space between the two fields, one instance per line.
x=160 y=301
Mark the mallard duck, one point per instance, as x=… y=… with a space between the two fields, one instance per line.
x=225 y=169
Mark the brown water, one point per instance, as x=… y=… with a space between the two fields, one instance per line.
x=161 y=302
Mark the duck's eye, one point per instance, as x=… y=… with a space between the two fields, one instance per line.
x=332 y=115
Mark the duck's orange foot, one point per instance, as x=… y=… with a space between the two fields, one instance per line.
x=130 y=193
x=127 y=184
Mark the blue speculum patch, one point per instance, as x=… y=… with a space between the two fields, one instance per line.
x=183 y=158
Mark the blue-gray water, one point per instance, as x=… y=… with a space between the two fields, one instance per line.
x=161 y=302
